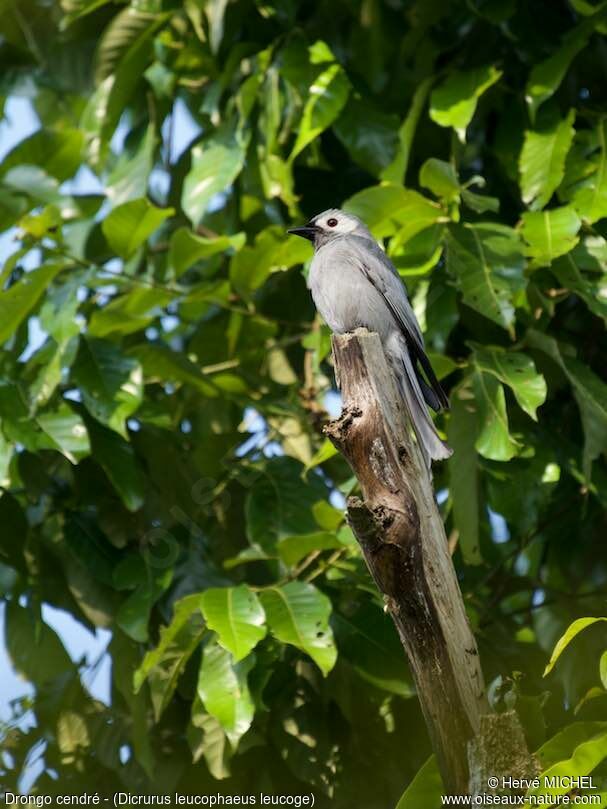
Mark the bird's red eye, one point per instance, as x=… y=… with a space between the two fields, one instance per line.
x=331 y=222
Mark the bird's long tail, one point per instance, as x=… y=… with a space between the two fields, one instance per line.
x=431 y=445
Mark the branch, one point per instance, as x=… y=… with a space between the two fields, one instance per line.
x=402 y=537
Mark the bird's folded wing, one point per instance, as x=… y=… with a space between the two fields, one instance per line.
x=380 y=272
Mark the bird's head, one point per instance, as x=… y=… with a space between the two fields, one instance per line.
x=330 y=225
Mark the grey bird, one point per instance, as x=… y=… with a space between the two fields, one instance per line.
x=354 y=284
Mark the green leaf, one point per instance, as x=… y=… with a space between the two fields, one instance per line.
x=590 y=195
x=572 y=631
x=440 y=178
x=215 y=11
x=454 y=102
x=590 y=394
x=563 y=743
x=319 y=52
x=121 y=33
x=293 y=549
x=125 y=659
x=16 y=416
x=443 y=365
x=57 y=151
x=368 y=641
x=58 y=313
x=494 y=440
x=33 y=181
x=369 y=134
x=517 y=370
x=109 y=381
x=278 y=181
x=130 y=312
x=163 y=665
x=590 y=288
x=160 y=364
x=251 y=554
x=15 y=527
x=72 y=736
x=128 y=180
x=134 y=614
x=464 y=480
x=295 y=439
x=12 y=206
x=161 y=79
x=326 y=99
x=480 y=203
x=279 y=368
x=6 y=453
x=603 y=670
x=542 y=161
x=67 y=432
x=215 y=166
x=487 y=263
x=80 y=8
x=207 y=738
x=297 y=613
x=387 y=209
x=593 y=693
x=546 y=76
x=43 y=223
x=125 y=50
x=325 y=452
x=277 y=504
x=550 y=234
x=92 y=122
x=29 y=642
x=129 y=225
x=327 y=517
x=588 y=8
x=586 y=756
x=396 y=172
x=237 y=616
x=426 y=790
x=186 y=248
x=20 y=299
x=224 y=690
x=118 y=461
x=419 y=254
x=273 y=251
x=591 y=253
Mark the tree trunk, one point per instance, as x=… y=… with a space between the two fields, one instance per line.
x=403 y=540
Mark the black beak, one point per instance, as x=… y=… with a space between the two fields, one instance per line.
x=306 y=232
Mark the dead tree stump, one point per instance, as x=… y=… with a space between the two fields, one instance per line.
x=402 y=537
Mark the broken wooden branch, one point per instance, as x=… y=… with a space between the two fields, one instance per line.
x=402 y=537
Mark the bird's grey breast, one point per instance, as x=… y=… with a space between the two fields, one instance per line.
x=341 y=291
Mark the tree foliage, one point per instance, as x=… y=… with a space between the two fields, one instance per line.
x=164 y=378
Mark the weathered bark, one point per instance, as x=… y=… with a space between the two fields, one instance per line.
x=402 y=537
x=500 y=751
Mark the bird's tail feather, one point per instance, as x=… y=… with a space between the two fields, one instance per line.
x=431 y=445
x=434 y=394
x=429 y=393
